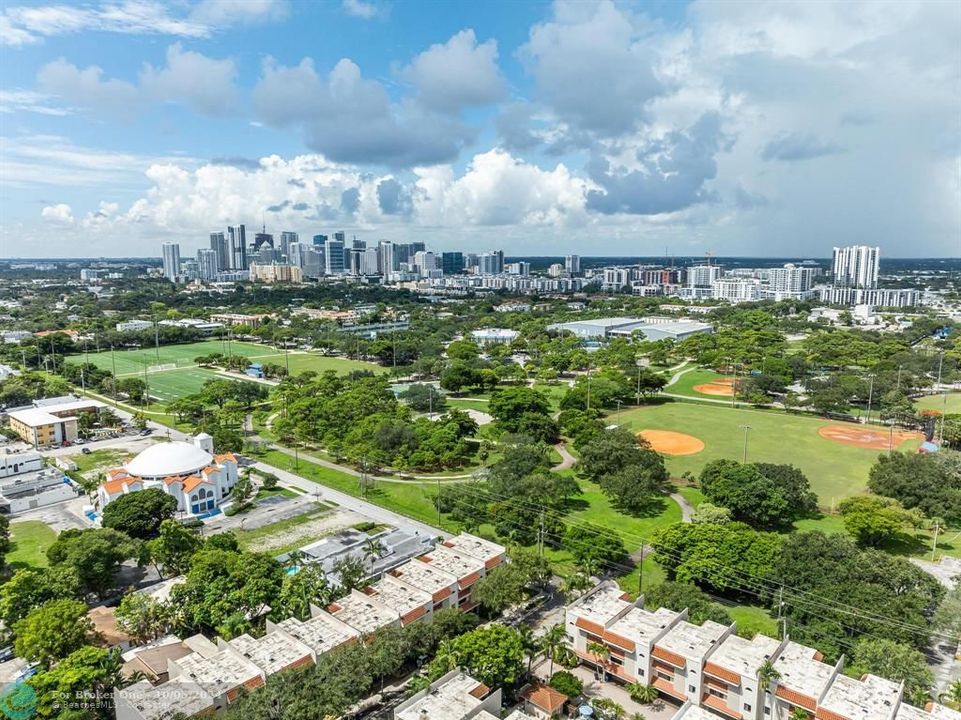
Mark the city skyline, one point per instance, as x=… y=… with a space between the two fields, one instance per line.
x=743 y=129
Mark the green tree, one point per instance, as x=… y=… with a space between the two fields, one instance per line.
x=142 y=617
x=594 y=550
x=709 y=513
x=675 y=595
x=52 y=631
x=493 y=654
x=510 y=406
x=308 y=586
x=929 y=482
x=893 y=661
x=567 y=683
x=874 y=520
x=423 y=397
x=760 y=494
x=139 y=514
x=87 y=675
x=639 y=487
x=947 y=619
x=173 y=547
x=95 y=554
x=554 y=644
x=29 y=588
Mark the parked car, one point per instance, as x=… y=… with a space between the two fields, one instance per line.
x=145 y=432
x=85 y=451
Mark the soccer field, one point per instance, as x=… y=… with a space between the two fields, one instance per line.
x=835 y=470
x=132 y=362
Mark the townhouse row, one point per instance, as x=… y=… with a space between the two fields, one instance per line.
x=716 y=673
x=200 y=676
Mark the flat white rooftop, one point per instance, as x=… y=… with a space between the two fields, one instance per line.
x=400 y=596
x=363 y=613
x=694 y=712
x=475 y=547
x=941 y=712
x=642 y=625
x=872 y=698
x=744 y=657
x=600 y=606
x=154 y=702
x=692 y=641
x=273 y=652
x=450 y=561
x=216 y=674
x=425 y=576
x=449 y=700
x=801 y=672
x=321 y=633
x=36 y=417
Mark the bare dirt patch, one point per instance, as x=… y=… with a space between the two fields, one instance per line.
x=669 y=442
x=721 y=386
x=866 y=438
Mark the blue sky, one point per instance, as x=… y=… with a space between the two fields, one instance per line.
x=593 y=127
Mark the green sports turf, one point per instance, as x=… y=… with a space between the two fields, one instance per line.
x=132 y=362
x=936 y=402
x=169 y=385
x=834 y=470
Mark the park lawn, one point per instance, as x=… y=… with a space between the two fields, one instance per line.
x=166 y=386
x=752 y=620
x=555 y=392
x=274 y=492
x=29 y=541
x=834 y=470
x=937 y=402
x=686 y=382
x=594 y=507
x=692 y=494
x=468 y=404
x=302 y=361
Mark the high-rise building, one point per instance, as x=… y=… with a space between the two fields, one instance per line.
x=856 y=266
x=207 y=267
x=237 y=241
x=452 y=262
x=702 y=275
x=171 y=257
x=285 y=239
x=261 y=239
x=385 y=257
x=320 y=240
x=218 y=243
x=341 y=236
x=313 y=260
x=334 y=251
x=791 y=282
x=491 y=263
x=416 y=247
x=572 y=264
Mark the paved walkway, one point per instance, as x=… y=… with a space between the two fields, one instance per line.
x=567 y=460
x=686 y=508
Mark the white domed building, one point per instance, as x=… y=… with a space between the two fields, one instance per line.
x=189 y=471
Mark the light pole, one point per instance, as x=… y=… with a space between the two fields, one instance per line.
x=870 y=396
x=747 y=429
x=642 y=362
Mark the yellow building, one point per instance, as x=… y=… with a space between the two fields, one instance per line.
x=51 y=425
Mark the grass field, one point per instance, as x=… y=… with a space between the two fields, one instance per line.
x=834 y=470
x=185 y=379
x=30 y=540
x=936 y=402
x=685 y=384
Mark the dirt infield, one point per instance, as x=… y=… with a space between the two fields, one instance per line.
x=873 y=439
x=672 y=443
x=721 y=386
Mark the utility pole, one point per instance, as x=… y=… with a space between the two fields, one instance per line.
x=113 y=361
x=287 y=355
x=734 y=388
x=870 y=396
x=156 y=339
x=437 y=499
x=540 y=537
x=588 y=385
x=934 y=549
x=781 y=619
x=747 y=429
x=640 y=574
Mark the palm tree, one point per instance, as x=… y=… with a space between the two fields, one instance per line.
x=530 y=645
x=767 y=674
x=600 y=653
x=447 y=656
x=553 y=642
x=575 y=583
x=642 y=693
x=373 y=549
x=952 y=694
